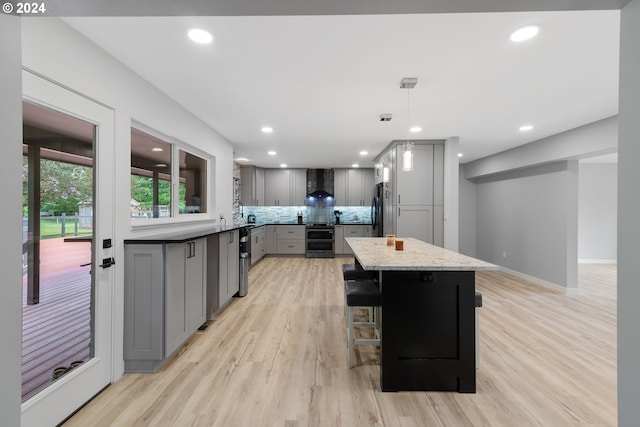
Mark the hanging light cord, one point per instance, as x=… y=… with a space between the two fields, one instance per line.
x=408 y=117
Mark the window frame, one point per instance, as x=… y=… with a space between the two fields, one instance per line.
x=175 y=216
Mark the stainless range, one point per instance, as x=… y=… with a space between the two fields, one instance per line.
x=319 y=241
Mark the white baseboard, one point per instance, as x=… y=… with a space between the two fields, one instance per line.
x=597 y=261
x=539 y=281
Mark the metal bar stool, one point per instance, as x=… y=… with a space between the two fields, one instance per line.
x=356 y=272
x=361 y=294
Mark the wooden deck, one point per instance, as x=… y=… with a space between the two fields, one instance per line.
x=57 y=331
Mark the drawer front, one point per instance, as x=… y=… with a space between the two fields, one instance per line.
x=290 y=246
x=290 y=232
x=353 y=231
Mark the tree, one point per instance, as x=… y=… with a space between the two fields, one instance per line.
x=62 y=186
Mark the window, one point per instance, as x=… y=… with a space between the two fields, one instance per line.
x=193 y=183
x=150 y=176
x=167 y=179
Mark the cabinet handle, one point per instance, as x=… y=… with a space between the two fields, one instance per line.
x=398 y=210
x=398 y=199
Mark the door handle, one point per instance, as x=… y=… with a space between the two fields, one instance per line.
x=107 y=262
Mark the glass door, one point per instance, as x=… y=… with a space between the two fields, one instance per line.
x=68 y=270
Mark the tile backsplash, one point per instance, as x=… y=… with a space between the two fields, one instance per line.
x=289 y=214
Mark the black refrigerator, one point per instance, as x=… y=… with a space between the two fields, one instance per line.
x=376 y=212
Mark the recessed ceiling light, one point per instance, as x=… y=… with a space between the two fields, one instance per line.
x=271 y=153
x=364 y=153
x=242 y=159
x=415 y=129
x=283 y=165
x=525 y=128
x=355 y=165
x=524 y=33
x=200 y=36
x=459 y=154
x=157 y=149
x=267 y=129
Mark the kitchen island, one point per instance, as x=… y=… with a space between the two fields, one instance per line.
x=428 y=318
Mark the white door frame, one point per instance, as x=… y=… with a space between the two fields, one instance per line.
x=59 y=400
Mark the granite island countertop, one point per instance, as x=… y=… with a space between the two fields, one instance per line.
x=374 y=254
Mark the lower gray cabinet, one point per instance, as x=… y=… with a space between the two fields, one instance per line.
x=164 y=300
x=229 y=265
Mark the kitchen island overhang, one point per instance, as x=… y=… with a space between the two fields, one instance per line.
x=428 y=317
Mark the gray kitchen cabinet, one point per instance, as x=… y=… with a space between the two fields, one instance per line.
x=285 y=187
x=229 y=280
x=438 y=225
x=290 y=239
x=438 y=174
x=359 y=187
x=416 y=222
x=353 y=187
x=277 y=189
x=165 y=300
x=257 y=244
x=415 y=188
x=338 y=240
x=252 y=186
x=355 y=230
x=414 y=200
x=298 y=187
x=340 y=187
x=270 y=239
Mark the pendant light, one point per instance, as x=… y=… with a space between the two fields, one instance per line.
x=407 y=154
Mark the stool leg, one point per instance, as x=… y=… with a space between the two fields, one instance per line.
x=350 y=337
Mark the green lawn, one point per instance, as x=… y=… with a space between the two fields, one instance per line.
x=51 y=228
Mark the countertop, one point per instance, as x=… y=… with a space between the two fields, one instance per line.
x=374 y=254
x=185 y=236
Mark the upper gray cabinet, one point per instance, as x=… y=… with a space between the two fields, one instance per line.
x=277 y=188
x=252 y=186
x=285 y=187
x=415 y=188
x=353 y=187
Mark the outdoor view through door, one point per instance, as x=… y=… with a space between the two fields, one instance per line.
x=58 y=194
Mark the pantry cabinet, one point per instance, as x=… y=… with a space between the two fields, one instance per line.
x=414 y=200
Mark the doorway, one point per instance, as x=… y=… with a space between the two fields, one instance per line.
x=67 y=255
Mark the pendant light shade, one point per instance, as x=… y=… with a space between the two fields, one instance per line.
x=407 y=157
x=407 y=154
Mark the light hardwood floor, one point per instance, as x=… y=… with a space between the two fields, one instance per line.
x=278 y=357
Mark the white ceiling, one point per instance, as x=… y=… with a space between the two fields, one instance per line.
x=322 y=81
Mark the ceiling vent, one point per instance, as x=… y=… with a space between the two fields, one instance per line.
x=408 y=83
x=385 y=117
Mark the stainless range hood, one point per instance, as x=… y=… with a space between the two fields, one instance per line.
x=320 y=183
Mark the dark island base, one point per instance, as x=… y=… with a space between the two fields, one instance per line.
x=428 y=331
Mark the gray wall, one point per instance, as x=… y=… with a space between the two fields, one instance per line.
x=586 y=141
x=11 y=259
x=527 y=221
x=597 y=212
x=628 y=226
x=467 y=215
